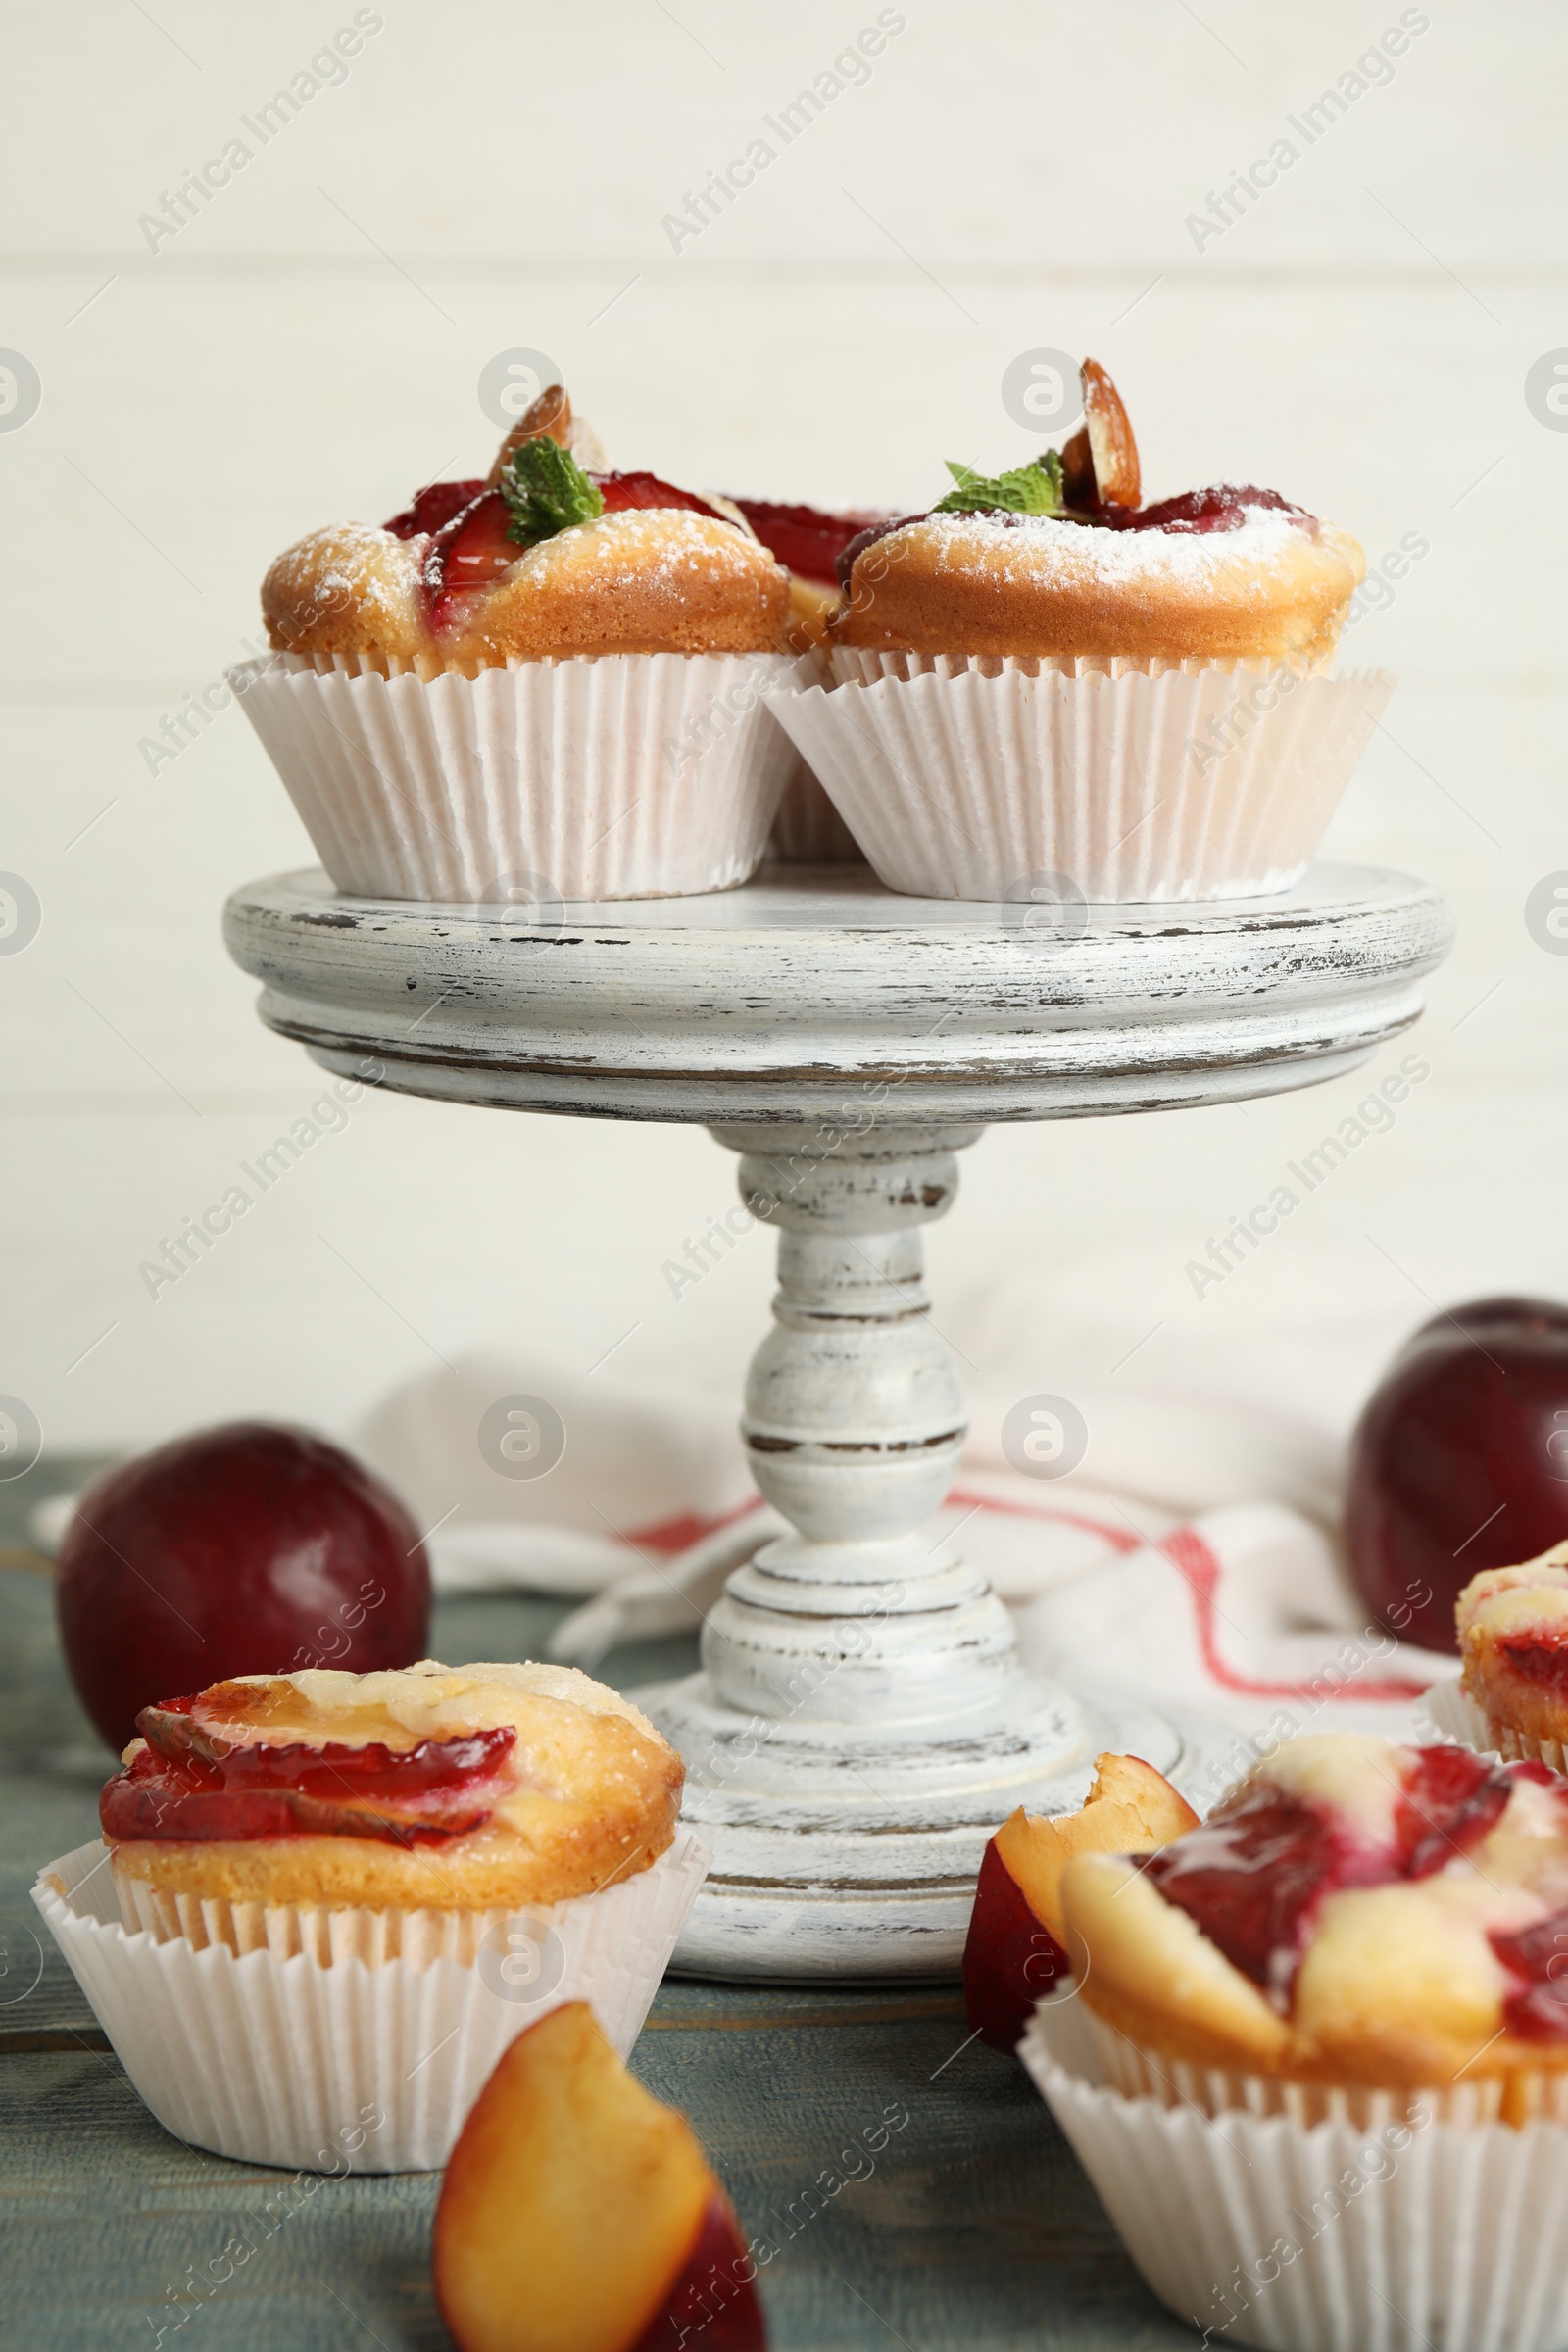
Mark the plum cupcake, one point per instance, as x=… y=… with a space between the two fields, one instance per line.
x=809 y=541
x=323 y=1892
x=1511 y=1698
x=1317 y=2061
x=551 y=678
x=1041 y=675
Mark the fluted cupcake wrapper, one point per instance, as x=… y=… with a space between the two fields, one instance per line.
x=1127 y=781
x=1454 y=1715
x=1389 y=2235
x=611 y=776
x=807 y=830
x=345 y=2062
x=1523 y=2093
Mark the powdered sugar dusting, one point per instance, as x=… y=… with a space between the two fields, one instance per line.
x=349 y=567
x=653 y=572
x=661 y=543
x=968 y=546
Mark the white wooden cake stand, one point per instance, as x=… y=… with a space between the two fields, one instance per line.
x=860 y=1721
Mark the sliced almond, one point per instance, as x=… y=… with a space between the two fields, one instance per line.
x=1112 y=446
x=547 y=419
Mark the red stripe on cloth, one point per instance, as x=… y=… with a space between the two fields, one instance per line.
x=1189 y=1554
x=1200 y=1568
x=1120 y=1538
x=669 y=1535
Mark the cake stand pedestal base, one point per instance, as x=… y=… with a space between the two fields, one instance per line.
x=861 y=1722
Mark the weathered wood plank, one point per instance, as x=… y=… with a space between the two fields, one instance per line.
x=969 y=2226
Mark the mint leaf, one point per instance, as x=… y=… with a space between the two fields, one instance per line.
x=547 y=491
x=1032 y=489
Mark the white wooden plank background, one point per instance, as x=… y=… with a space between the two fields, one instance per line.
x=1011 y=174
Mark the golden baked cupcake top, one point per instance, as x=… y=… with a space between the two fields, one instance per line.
x=1512 y=1625
x=428 y=1786
x=1356 y=1912
x=546 y=558
x=1057 y=556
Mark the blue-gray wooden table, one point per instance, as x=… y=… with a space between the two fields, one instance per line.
x=976 y=2227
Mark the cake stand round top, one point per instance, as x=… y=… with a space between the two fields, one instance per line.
x=812 y=991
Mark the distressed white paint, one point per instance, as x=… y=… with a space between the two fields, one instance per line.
x=860 y=1720
x=816 y=994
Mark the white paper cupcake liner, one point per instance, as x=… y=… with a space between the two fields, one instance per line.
x=808 y=830
x=330 y=2063
x=613 y=776
x=1134 y=781
x=1336 y=2237
x=1143 y=2074
x=1454 y=1715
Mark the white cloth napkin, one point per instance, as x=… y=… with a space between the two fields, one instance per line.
x=1198 y=1567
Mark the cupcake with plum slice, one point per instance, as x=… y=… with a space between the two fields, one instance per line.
x=1511 y=1698
x=1041 y=675
x=809 y=542
x=1351 y=1973
x=555 y=673
x=304 y=1876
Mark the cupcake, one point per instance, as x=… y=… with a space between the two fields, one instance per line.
x=808 y=543
x=1042 y=676
x=1329 y=2028
x=807 y=830
x=552 y=677
x=321 y=1891
x=1512 y=1698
